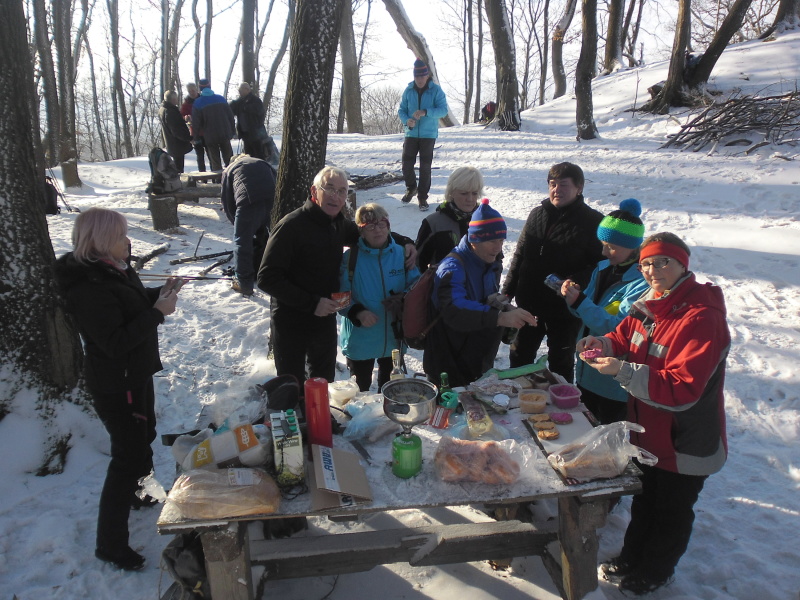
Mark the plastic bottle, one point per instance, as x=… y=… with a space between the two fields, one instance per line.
x=397 y=369
x=318 y=412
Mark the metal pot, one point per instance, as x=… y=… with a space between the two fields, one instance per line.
x=409 y=401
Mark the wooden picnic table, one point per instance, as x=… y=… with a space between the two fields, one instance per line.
x=582 y=509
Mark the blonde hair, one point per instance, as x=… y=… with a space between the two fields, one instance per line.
x=371 y=213
x=466 y=179
x=95 y=231
x=329 y=173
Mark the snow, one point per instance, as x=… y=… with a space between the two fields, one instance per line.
x=740 y=214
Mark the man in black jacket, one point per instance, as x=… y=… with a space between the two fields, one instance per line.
x=174 y=132
x=249 y=112
x=300 y=270
x=248 y=190
x=559 y=237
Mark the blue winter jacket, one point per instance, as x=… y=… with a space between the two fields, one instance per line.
x=431 y=99
x=379 y=272
x=601 y=316
x=212 y=118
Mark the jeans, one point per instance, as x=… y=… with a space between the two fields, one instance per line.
x=250 y=223
x=424 y=147
x=129 y=418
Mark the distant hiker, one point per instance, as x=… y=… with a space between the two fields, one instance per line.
x=186 y=113
x=422 y=105
x=440 y=232
x=300 y=270
x=118 y=321
x=249 y=112
x=212 y=120
x=174 y=132
x=248 y=191
x=488 y=112
x=559 y=237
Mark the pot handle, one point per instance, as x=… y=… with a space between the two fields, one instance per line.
x=398 y=409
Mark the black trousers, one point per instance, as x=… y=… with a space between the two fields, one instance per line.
x=561 y=338
x=200 y=150
x=130 y=419
x=662 y=516
x=606 y=410
x=219 y=153
x=313 y=341
x=362 y=370
x=424 y=147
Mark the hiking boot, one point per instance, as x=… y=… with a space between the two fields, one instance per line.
x=127 y=559
x=243 y=288
x=410 y=192
x=639 y=584
x=615 y=569
x=423 y=204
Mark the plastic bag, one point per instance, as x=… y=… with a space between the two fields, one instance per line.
x=368 y=421
x=248 y=445
x=223 y=493
x=481 y=462
x=600 y=453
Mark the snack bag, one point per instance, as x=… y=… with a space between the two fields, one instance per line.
x=480 y=462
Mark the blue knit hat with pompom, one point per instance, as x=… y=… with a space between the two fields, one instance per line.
x=623 y=227
x=486 y=224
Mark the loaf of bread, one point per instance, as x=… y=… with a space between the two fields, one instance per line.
x=223 y=493
x=480 y=462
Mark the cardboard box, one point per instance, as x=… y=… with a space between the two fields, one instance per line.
x=336 y=479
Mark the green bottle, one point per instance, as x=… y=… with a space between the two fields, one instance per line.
x=445 y=387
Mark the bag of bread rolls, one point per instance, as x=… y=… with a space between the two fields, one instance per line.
x=222 y=493
x=479 y=462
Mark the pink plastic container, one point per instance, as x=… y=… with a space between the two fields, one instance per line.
x=565 y=395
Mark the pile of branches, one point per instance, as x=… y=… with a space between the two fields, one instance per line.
x=365 y=182
x=765 y=120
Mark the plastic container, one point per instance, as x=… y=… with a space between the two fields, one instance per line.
x=533 y=401
x=342 y=392
x=565 y=395
x=318 y=412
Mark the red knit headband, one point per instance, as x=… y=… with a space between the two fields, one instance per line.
x=662 y=248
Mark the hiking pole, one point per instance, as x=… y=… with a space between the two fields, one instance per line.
x=60 y=193
x=200 y=239
x=158 y=276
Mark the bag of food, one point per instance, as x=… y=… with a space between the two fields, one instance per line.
x=600 y=453
x=480 y=462
x=223 y=493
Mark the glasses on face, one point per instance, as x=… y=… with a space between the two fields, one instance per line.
x=656 y=263
x=341 y=192
x=379 y=226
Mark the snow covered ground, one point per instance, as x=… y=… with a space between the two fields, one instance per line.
x=740 y=214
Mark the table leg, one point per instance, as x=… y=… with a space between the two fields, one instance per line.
x=227 y=555
x=577 y=531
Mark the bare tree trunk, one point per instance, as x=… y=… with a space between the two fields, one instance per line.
x=68 y=139
x=96 y=104
x=83 y=26
x=273 y=71
x=584 y=108
x=48 y=71
x=232 y=66
x=351 y=81
x=207 y=40
x=787 y=17
x=560 y=32
x=505 y=60
x=119 y=94
x=544 y=52
x=612 y=60
x=476 y=114
x=259 y=41
x=730 y=25
x=248 y=42
x=198 y=31
x=307 y=106
x=417 y=44
x=674 y=91
x=165 y=48
x=469 y=60
x=37 y=343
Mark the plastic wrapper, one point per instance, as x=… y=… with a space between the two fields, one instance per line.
x=224 y=493
x=480 y=462
x=478 y=420
x=243 y=445
x=491 y=385
x=368 y=422
x=600 y=453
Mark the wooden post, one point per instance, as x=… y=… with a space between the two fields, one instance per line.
x=164 y=211
x=577 y=531
x=227 y=554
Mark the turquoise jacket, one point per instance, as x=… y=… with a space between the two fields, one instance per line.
x=433 y=100
x=379 y=273
x=601 y=316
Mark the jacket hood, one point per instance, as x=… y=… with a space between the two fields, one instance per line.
x=685 y=296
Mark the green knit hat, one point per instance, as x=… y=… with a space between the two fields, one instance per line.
x=623 y=227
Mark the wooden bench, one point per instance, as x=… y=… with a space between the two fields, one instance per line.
x=193 y=177
x=164 y=207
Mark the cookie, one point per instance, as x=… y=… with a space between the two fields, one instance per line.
x=544 y=425
x=538 y=418
x=562 y=418
x=548 y=434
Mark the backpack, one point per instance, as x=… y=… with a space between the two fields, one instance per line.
x=164 y=176
x=183 y=558
x=412 y=310
x=50 y=197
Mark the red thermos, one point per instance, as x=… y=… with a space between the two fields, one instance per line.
x=318 y=412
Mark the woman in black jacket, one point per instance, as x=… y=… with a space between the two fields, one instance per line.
x=118 y=320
